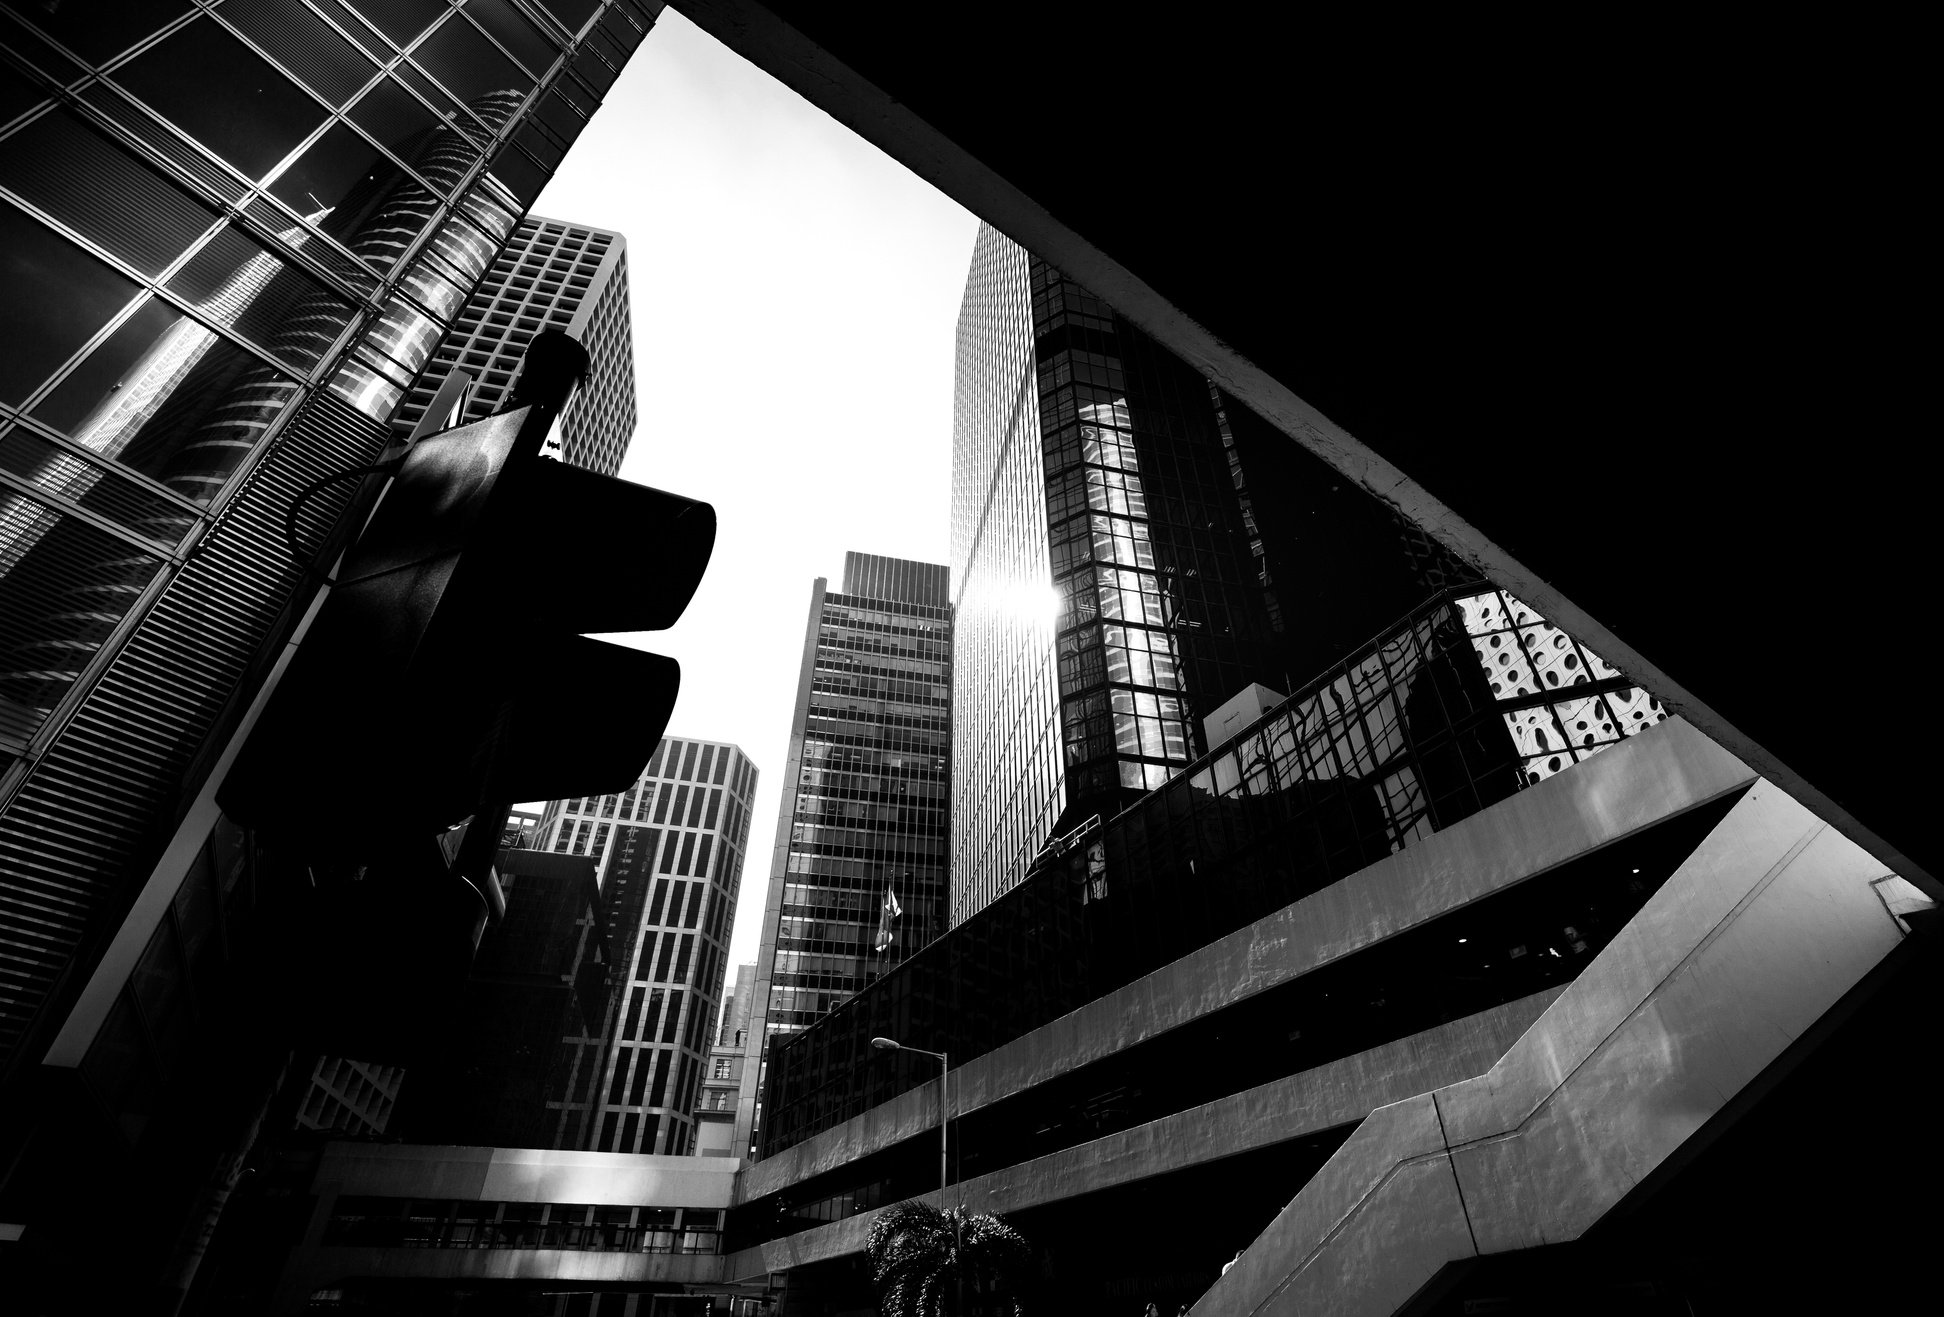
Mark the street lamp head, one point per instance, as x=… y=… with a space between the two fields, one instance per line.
x=887 y=1044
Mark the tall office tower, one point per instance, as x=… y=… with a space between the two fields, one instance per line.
x=858 y=874
x=1133 y=549
x=669 y=852
x=233 y=235
x=549 y=275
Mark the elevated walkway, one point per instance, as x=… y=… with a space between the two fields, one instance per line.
x=1756 y=936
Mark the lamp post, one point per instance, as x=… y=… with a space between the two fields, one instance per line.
x=944 y=1068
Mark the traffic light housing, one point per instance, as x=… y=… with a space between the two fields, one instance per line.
x=448 y=670
x=445 y=677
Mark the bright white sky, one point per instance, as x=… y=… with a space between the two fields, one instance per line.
x=795 y=294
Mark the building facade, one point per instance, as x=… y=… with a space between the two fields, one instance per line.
x=404 y=1227
x=550 y=274
x=715 y=1105
x=1128 y=542
x=669 y=854
x=1383 y=938
x=858 y=873
x=234 y=235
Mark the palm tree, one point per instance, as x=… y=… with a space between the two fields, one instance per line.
x=928 y=1263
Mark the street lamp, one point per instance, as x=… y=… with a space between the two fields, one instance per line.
x=944 y=1067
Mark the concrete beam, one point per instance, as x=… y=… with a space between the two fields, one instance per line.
x=327 y=1266
x=1664 y=771
x=526 y=1175
x=1772 y=920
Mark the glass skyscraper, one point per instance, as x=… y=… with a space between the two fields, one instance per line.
x=1008 y=788
x=1112 y=583
x=233 y=233
x=669 y=855
x=857 y=880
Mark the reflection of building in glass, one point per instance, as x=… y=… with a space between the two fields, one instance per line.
x=1562 y=701
x=549 y=275
x=857 y=880
x=669 y=852
x=1120 y=574
x=231 y=238
x=352 y=1097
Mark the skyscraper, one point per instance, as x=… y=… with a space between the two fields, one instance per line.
x=857 y=879
x=1128 y=544
x=233 y=235
x=551 y=274
x=669 y=852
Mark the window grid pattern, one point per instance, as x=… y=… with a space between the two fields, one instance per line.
x=1563 y=703
x=868 y=814
x=359 y=1221
x=1008 y=789
x=860 y=883
x=549 y=275
x=670 y=854
x=224 y=225
x=1405 y=737
x=1088 y=459
x=1153 y=548
x=354 y=1097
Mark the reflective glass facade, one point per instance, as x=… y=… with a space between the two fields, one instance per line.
x=857 y=882
x=1134 y=549
x=233 y=233
x=669 y=852
x=1414 y=731
x=1119 y=576
x=1008 y=788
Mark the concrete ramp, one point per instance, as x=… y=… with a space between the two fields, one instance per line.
x=1771 y=921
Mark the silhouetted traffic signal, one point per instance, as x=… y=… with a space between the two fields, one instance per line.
x=447 y=676
x=448 y=667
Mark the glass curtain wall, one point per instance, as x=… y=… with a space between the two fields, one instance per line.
x=231 y=235
x=1469 y=699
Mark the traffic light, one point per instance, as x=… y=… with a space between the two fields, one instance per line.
x=448 y=669
x=447 y=676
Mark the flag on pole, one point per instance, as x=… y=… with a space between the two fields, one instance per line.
x=890 y=911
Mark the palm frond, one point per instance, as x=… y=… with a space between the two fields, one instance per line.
x=919 y=1254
